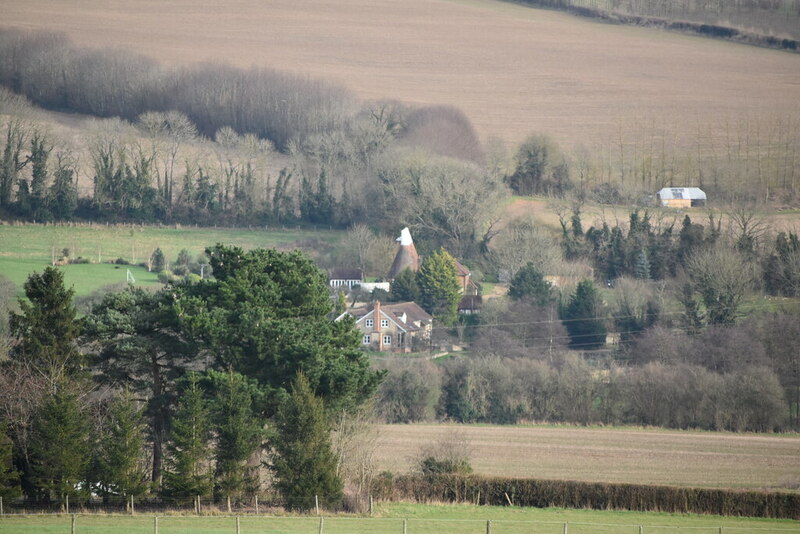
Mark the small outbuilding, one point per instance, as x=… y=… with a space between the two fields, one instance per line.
x=681 y=197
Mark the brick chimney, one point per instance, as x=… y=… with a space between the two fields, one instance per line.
x=376 y=323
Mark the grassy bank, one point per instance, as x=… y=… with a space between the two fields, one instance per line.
x=418 y=518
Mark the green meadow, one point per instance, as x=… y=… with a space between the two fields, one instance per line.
x=28 y=248
x=409 y=519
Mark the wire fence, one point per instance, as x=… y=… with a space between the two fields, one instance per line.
x=241 y=524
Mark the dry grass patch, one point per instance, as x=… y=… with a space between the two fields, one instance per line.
x=625 y=455
x=512 y=69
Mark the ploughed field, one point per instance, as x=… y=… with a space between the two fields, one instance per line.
x=512 y=69
x=625 y=455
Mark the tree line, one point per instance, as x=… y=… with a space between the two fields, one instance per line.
x=183 y=394
x=351 y=161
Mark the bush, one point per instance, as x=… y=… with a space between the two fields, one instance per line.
x=592 y=495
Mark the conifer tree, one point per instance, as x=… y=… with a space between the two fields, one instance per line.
x=119 y=466
x=304 y=463
x=530 y=283
x=583 y=318
x=60 y=445
x=239 y=434
x=405 y=288
x=9 y=477
x=439 y=288
x=47 y=326
x=188 y=471
x=641 y=268
x=63 y=193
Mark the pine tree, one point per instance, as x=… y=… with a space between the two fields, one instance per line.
x=583 y=318
x=47 y=327
x=63 y=193
x=304 y=463
x=641 y=268
x=119 y=465
x=239 y=434
x=9 y=477
x=405 y=288
x=530 y=283
x=439 y=288
x=188 y=471
x=157 y=261
x=60 y=445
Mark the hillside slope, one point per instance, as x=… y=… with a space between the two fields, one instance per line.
x=512 y=69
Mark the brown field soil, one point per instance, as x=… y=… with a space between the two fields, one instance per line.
x=512 y=69
x=627 y=455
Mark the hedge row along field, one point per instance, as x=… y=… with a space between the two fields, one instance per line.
x=587 y=495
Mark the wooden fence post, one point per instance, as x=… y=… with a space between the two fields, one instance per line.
x=155 y=524
x=256 y=504
x=73 y=523
x=67 y=502
x=1 y=505
x=405 y=526
x=321 y=524
x=489 y=526
x=316 y=503
x=565 y=528
x=237 y=525
x=132 y=510
x=370 y=504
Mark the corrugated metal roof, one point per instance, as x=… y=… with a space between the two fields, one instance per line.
x=675 y=193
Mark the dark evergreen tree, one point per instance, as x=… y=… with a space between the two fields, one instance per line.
x=64 y=192
x=439 y=288
x=23 y=205
x=583 y=318
x=136 y=342
x=282 y=202
x=693 y=317
x=239 y=431
x=187 y=473
x=529 y=283
x=157 y=261
x=9 y=477
x=304 y=463
x=404 y=288
x=118 y=459
x=317 y=205
x=641 y=268
x=266 y=315
x=60 y=445
x=47 y=327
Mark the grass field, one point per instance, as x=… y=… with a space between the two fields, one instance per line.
x=512 y=69
x=28 y=248
x=419 y=519
x=627 y=455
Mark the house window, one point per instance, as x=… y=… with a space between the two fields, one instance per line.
x=367 y=339
x=384 y=323
x=387 y=340
x=368 y=323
